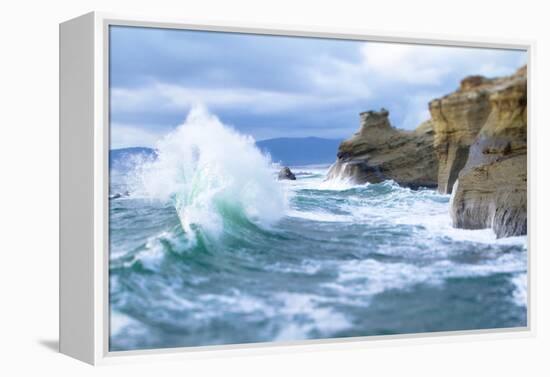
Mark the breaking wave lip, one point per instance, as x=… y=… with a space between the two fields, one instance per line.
x=213 y=175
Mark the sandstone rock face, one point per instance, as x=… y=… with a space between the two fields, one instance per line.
x=379 y=152
x=457 y=119
x=491 y=190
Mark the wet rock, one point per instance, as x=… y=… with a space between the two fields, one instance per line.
x=379 y=152
x=286 y=173
x=491 y=188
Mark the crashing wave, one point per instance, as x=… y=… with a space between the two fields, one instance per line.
x=214 y=176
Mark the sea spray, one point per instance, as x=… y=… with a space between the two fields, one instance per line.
x=214 y=176
x=197 y=258
x=358 y=260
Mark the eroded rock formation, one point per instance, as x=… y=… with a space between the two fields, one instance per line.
x=475 y=146
x=491 y=190
x=379 y=152
x=457 y=120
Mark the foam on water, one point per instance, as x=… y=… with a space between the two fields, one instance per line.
x=154 y=251
x=370 y=277
x=339 y=184
x=401 y=205
x=119 y=321
x=520 y=291
x=320 y=216
x=126 y=327
x=313 y=317
x=318 y=260
x=210 y=172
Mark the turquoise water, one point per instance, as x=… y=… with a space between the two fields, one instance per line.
x=355 y=261
x=208 y=248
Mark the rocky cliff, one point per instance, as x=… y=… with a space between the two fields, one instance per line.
x=379 y=152
x=490 y=190
x=475 y=146
x=457 y=119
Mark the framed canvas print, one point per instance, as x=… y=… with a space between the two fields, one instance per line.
x=228 y=187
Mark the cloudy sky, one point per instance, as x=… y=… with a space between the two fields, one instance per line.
x=272 y=86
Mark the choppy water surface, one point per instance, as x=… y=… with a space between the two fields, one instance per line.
x=209 y=249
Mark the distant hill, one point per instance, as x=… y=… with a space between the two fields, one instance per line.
x=300 y=151
x=284 y=150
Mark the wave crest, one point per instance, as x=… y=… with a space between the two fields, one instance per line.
x=213 y=175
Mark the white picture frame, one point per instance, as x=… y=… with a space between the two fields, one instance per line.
x=84 y=145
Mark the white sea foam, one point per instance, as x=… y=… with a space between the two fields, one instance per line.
x=520 y=291
x=369 y=277
x=200 y=176
x=300 y=314
x=206 y=168
x=320 y=216
x=434 y=217
x=238 y=303
x=152 y=254
x=119 y=322
x=429 y=212
x=409 y=207
x=307 y=266
x=296 y=306
x=339 y=184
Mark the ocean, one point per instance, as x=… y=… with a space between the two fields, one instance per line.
x=208 y=248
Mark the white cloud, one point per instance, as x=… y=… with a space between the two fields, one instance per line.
x=430 y=65
x=335 y=76
x=333 y=80
x=400 y=77
x=169 y=97
x=406 y=70
x=406 y=63
x=125 y=135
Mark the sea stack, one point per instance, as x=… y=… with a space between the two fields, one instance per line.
x=491 y=189
x=379 y=152
x=286 y=173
